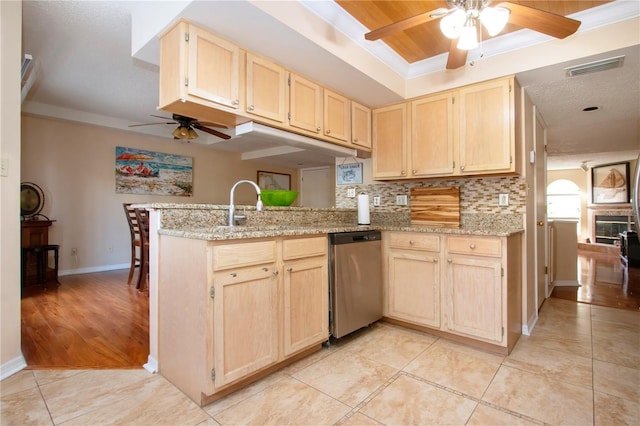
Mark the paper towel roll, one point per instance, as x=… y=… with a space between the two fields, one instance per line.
x=363 y=210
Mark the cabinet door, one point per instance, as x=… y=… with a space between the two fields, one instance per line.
x=214 y=69
x=486 y=127
x=266 y=89
x=305 y=104
x=360 y=125
x=474 y=297
x=432 y=136
x=390 y=142
x=337 y=116
x=414 y=287
x=306 y=304
x=245 y=321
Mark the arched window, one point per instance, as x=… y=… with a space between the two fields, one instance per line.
x=563 y=200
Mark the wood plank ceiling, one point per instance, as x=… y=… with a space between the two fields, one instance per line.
x=426 y=40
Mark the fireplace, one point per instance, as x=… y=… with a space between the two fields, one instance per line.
x=606 y=225
x=609 y=228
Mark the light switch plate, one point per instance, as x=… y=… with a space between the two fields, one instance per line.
x=503 y=200
x=351 y=192
x=4 y=167
x=401 y=200
x=376 y=201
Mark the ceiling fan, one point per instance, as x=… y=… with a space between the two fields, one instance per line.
x=461 y=23
x=186 y=126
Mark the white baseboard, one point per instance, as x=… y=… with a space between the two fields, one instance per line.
x=93 y=269
x=528 y=328
x=152 y=365
x=566 y=283
x=12 y=367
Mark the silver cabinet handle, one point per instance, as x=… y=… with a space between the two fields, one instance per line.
x=236 y=102
x=318 y=129
x=233 y=274
x=251 y=107
x=403 y=173
x=328 y=131
x=289 y=269
x=355 y=140
x=461 y=167
x=472 y=246
x=435 y=260
x=275 y=272
x=414 y=171
x=265 y=269
x=449 y=260
x=411 y=242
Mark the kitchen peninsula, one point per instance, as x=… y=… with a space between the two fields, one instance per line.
x=231 y=304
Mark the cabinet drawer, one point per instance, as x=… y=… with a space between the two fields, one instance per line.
x=297 y=248
x=476 y=246
x=243 y=254
x=414 y=241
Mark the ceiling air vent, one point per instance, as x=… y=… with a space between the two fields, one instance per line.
x=596 y=66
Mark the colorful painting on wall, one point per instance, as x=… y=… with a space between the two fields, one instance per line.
x=153 y=173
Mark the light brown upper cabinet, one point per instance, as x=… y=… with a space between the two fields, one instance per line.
x=432 y=136
x=360 y=125
x=305 y=104
x=266 y=84
x=467 y=131
x=487 y=127
x=198 y=72
x=390 y=142
x=337 y=116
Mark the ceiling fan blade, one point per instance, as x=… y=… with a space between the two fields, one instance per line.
x=541 y=21
x=150 y=124
x=211 y=124
x=211 y=131
x=159 y=116
x=405 y=24
x=457 y=57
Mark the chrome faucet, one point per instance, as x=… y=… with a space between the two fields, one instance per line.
x=232 y=207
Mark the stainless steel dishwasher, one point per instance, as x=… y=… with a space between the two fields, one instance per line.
x=355 y=280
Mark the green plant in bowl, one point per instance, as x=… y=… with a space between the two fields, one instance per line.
x=278 y=197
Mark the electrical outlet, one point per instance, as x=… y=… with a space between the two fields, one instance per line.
x=503 y=200
x=74 y=251
x=376 y=201
x=401 y=200
x=351 y=192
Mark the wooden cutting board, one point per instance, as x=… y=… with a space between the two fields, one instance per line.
x=439 y=207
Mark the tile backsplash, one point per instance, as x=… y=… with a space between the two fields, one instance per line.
x=478 y=195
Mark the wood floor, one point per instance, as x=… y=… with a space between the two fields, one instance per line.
x=604 y=281
x=98 y=321
x=88 y=321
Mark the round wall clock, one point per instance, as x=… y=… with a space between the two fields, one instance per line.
x=31 y=199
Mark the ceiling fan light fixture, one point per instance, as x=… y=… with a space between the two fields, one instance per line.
x=494 y=19
x=451 y=25
x=469 y=36
x=182 y=132
x=192 y=133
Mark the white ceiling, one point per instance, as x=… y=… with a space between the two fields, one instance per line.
x=85 y=71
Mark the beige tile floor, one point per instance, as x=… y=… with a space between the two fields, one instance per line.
x=580 y=366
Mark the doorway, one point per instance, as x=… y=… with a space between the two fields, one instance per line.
x=317 y=187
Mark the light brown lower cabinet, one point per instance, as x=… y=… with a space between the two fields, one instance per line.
x=461 y=286
x=229 y=310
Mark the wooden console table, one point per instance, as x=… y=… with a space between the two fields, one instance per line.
x=34 y=233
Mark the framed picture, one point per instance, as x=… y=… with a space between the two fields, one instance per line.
x=154 y=173
x=610 y=183
x=349 y=174
x=271 y=180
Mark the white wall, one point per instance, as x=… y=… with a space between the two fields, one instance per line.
x=11 y=359
x=74 y=164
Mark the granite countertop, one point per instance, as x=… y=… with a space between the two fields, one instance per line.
x=204 y=222
x=239 y=232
